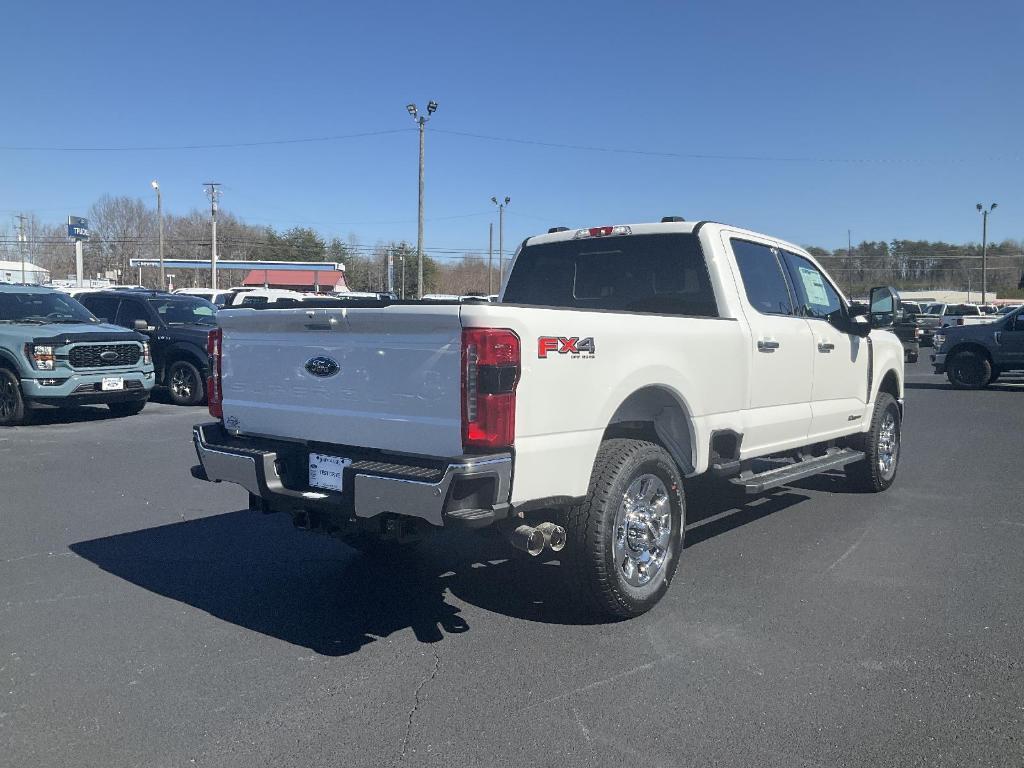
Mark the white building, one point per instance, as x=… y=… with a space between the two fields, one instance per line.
x=10 y=272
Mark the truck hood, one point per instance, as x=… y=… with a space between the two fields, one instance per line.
x=60 y=334
x=955 y=333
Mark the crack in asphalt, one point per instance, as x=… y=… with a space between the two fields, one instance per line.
x=416 y=704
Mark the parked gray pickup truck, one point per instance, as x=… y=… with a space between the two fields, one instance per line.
x=53 y=352
x=974 y=356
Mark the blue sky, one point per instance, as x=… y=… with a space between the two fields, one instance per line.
x=891 y=119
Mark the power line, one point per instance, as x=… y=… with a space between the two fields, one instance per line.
x=227 y=145
x=716 y=156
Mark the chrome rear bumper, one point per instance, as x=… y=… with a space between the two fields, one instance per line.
x=373 y=485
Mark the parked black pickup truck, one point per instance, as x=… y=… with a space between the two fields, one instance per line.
x=177 y=326
x=973 y=356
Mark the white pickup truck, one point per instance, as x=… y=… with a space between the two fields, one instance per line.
x=619 y=361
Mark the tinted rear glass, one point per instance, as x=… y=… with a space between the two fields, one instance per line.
x=661 y=274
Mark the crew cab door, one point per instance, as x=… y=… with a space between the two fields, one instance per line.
x=778 y=413
x=1011 y=342
x=839 y=393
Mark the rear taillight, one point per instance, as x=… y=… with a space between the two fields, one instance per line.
x=490 y=373
x=960 y=321
x=214 y=391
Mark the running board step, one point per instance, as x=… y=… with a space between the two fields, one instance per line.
x=789 y=473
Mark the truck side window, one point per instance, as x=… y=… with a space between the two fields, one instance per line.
x=131 y=311
x=103 y=307
x=763 y=279
x=814 y=293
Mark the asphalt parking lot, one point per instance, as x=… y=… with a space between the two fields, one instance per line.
x=148 y=619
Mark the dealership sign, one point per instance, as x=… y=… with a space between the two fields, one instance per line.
x=78 y=228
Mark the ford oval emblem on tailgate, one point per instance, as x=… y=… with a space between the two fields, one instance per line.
x=322 y=367
x=109 y=356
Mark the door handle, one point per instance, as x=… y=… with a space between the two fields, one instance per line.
x=826 y=346
x=767 y=346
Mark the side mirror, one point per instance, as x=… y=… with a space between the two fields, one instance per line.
x=142 y=326
x=883 y=303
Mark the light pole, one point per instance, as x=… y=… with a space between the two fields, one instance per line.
x=984 y=246
x=421 y=121
x=501 y=238
x=160 y=226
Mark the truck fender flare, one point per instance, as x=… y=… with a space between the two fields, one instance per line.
x=7 y=360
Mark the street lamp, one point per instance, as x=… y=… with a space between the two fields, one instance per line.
x=160 y=225
x=421 y=121
x=501 y=237
x=984 y=246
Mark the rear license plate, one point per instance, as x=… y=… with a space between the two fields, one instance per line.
x=327 y=472
x=112 y=383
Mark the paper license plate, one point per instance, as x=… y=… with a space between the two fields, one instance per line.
x=327 y=472
x=111 y=383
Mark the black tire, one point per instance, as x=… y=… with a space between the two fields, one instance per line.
x=600 y=544
x=14 y=411
x=969 y=370
x=185 y=383
x=127 y=409
x=881 y=445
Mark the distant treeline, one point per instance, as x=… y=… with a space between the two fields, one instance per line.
x=124 y=228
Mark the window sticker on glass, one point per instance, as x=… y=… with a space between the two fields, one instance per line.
x=814 y=287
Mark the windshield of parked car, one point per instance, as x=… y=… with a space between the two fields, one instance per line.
x=42 y=307
x=185 y=311
x=663 y=274
x=934 y=309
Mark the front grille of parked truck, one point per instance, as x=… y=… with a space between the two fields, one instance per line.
x=104 y=355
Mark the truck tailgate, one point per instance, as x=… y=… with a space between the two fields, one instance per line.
x=396 y=386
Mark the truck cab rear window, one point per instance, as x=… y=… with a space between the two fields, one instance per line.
x=661 y=274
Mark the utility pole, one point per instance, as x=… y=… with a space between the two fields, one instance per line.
x=490 y=256
x=501 y=238
x=402 y=257
x=849 y=243
x=213 y=192
x=160 y=226
x=984 y=246
x=421 y=121
x=21 y=243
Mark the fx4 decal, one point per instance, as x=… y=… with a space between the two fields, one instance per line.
x=573 y=345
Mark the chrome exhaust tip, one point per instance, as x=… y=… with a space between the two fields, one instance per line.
x=528 y=539
x=554 y=536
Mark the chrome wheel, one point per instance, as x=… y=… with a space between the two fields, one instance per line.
x=643 y=530
x=888 y=445
x=8 y=399
x=183 y=383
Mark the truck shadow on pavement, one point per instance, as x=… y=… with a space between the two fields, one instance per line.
x=258 y=572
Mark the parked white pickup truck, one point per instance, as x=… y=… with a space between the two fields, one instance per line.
x=619 y=361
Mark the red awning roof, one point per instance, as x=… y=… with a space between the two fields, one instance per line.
x=300 y=279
